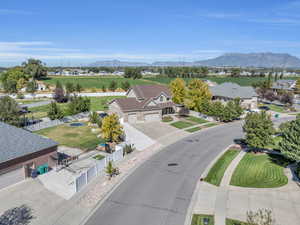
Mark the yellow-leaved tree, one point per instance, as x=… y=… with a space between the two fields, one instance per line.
x=198 y=93
x=111 y=128
x=178 y=90
x=298 y=86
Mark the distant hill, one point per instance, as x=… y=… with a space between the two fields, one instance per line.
x=253 y=60
x=267 y=60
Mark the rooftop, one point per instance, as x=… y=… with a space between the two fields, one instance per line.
x=232 y=90
x=17 y=142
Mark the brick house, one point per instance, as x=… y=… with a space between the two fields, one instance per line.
x=22 y=151
x=144 y=103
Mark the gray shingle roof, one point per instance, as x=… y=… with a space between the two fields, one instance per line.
x=16 y=142
x=232 y=90
x=284 y=84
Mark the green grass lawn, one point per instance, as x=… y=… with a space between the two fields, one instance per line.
x=28 y=101
x=167 y=119
x=75 y=137
x=196 y=119
x=275 y=108
x=192 y=130
x=198 y=219
x=181 y=124
x=234 y=222
x=259 y=171
x=243 y=81
x=216 y=173
x=210 y=125
x=95 y=82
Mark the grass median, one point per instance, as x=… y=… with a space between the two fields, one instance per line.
x=216 y=173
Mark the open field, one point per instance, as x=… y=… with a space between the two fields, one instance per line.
x=243 y=81
x=75 y=137
x=216 y=173
x=198 y=219
x=259 y=171
x=95 y=82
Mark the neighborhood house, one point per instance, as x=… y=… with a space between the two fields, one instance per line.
x=22 y=152
x=143 y=103
x=229 y=91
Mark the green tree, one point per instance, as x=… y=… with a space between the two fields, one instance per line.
x=70 y=88
x=31 y=87
x=35 y=68
x=178 y=90
x=111 y=128
x=78 y=104
x=259 y=130
x=78 y=88
x=132 y=72
x=13 y=80
x=103 y=88
x=290 y=143
x=235 y=72
x=10 y=111
x=113 y=85
x=198 y=92
x=55 y=111
x=125 y=85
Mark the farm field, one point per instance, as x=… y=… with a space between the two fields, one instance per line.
x=95 y=82
x=243 y=81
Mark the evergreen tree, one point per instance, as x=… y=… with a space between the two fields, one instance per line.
x=55 y=112
x=10 y=111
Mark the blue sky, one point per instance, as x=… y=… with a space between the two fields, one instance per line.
x=68 y=32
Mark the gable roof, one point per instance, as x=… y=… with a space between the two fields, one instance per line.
x=150 y=91
x=284 y=84
x=232 y=90
x=17 y=142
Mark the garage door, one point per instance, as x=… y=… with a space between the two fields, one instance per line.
x=11 y=177
x=132 y=118
x=152 y=117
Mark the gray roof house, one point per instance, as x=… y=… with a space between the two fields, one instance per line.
x=22 y=151
x=287 y=85
x=228 y=91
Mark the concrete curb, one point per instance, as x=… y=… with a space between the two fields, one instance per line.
x=189 y=214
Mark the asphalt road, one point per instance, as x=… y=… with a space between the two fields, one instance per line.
x=159 y=194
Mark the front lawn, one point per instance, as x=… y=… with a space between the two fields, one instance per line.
x=198 y=219
x=196 y=119
x=210 y=125
x=234 y=222
x=75 y=137
x=216 y=173
x=259 y=171
x=192 y=130
x=181 y=124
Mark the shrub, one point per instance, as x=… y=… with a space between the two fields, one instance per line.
x=94 y=117
x=78 y=105
x=128 y=148
x=55 y=112
x=20 y=96
x=167 y=119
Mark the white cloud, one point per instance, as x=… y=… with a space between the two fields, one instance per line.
x=14 y=12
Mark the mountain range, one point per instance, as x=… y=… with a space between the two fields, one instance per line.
x=266 y=60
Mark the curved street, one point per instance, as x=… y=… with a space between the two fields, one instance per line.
x=158 y=193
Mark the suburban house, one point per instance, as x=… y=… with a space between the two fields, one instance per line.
x=229 y=91
x=21 y=152
x=284 y=85
x=144 y=103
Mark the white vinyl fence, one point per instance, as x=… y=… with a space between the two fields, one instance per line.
x=87 y=176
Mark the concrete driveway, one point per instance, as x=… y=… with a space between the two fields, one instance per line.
x=45 y=204
x=157 y=130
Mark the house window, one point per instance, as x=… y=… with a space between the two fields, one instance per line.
x=161 y=98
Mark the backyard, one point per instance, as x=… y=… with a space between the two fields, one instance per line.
x=260 y=171
x=76 y=137
x=97 y=104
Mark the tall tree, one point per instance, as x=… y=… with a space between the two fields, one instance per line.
x=10 y=111
x=198 y=92
x=70 y=88
x=259 y=130
x=178 y=90
x=111 y=128
x=35 y=68
x=132 y=72
x=290 y=143
x=31 y=87
x=113 y=85
x=55 y=111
